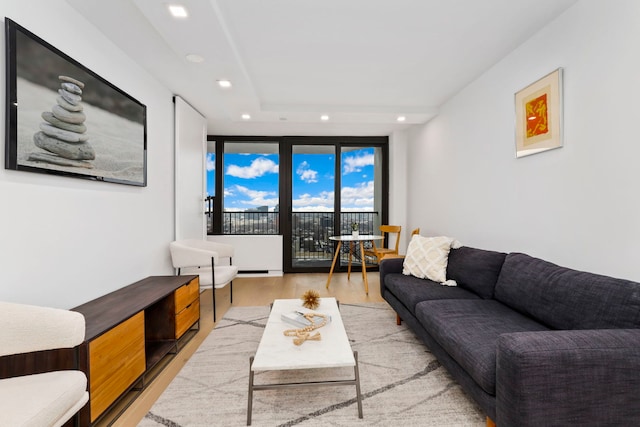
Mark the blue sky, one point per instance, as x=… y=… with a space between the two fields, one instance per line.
x=251 y=180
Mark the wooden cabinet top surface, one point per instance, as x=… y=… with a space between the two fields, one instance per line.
x=107 y=311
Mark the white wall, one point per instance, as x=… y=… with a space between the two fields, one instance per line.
x=398 y=157
x=255 y=256
x=577 y=206
x=65 y=241
x=190 y=153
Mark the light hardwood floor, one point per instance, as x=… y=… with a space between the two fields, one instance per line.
x=246 y=292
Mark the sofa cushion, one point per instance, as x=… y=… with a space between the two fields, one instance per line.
x=468 y=331
x=475 y=269
x=411 y=290
x=563 y=298
x=427 y=257
x=42 y=399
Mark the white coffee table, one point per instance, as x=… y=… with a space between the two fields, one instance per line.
x=277 y=352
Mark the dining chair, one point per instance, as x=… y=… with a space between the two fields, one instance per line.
x=387 y=231
x=202 y=258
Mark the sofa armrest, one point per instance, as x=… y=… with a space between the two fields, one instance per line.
x=578 y=377
x=28 y=328
x=388 y=266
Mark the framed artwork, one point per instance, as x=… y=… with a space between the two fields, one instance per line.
x=539 y=115
x=64 y=119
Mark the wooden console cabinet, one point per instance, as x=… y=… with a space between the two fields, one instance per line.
x=129 y=331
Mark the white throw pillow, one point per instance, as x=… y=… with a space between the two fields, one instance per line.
x=427 y=257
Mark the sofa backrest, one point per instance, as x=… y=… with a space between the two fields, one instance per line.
x=563 y=298
x=474 y=269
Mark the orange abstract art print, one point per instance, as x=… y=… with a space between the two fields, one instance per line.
x=539 y=115
x=537 y=121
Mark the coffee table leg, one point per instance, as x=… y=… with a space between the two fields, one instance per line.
x=357 y=377
x=250 y=403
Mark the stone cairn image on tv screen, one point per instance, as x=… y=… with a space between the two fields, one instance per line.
x=63 y=133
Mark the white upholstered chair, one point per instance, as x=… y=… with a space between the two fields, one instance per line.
x=203 y=258
x=43 y=399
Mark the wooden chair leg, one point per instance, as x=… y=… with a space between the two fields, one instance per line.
x=398 y=320
x=490 y=422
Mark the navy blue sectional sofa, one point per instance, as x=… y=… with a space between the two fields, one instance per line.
x=533 y=343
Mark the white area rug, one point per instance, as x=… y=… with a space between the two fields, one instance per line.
x=402 y=383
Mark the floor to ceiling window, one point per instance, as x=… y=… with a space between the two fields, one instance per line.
x=312 y=205
x=210 y=170
x=251 y=188
x=304 y=188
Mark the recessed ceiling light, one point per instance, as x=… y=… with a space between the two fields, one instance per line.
x=246 y=116
x=324 y=117
x=401 y=118
x=224 y=83
x=178 y=11
x=192 y=57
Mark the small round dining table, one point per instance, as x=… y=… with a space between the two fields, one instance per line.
x=352 y=239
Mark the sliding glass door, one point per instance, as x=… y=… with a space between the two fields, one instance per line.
x=334 y=183
x=306 y=189
x=312 y=204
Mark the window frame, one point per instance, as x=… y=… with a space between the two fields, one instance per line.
x=285 y=144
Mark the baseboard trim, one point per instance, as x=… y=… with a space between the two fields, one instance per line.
x=260 y=273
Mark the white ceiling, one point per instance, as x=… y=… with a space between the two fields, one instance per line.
x=362 y=62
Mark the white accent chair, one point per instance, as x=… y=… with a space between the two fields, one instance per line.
x=202 y=257
x=44 y=399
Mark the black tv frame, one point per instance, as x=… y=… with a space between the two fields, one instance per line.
x=123 y=115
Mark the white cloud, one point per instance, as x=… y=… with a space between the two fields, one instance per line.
x=322 y=202
x=257 y=198
x=357 y=198
x=357 y=209
x=356 y=163
x=307 y=174
x=353 y=199
x=258 y=168
x=313 y=209
x=211 y=162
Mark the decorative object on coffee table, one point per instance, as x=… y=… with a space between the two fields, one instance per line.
x=304 y=334
x=355 y=229
x=311 y=299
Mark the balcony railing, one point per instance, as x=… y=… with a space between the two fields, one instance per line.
x=310 y=231
x=249 y=222
x=310 y=244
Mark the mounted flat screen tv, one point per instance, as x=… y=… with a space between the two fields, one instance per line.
x=64 y=119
